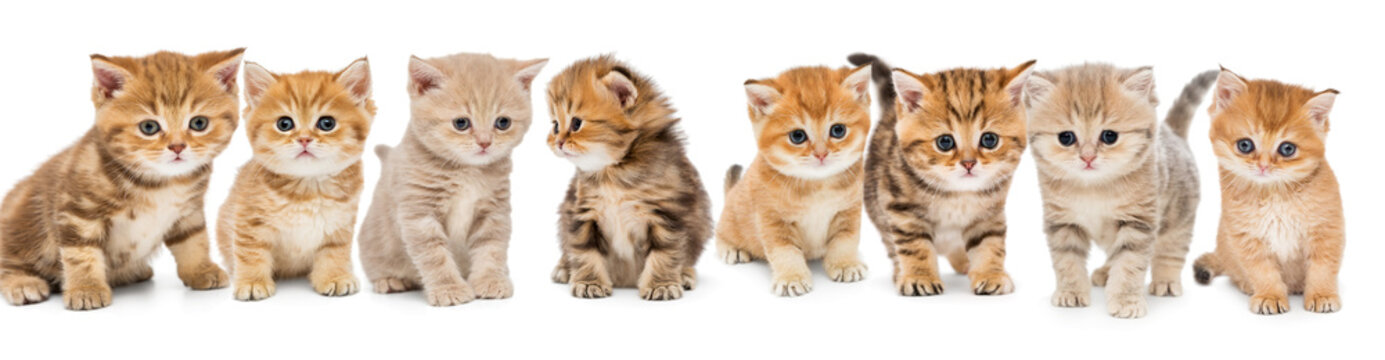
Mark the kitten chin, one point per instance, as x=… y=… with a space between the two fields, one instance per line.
x=811 y=169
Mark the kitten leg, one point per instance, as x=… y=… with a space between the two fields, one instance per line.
x=254 y=264
x=490 y=274
x=191 y=249
x=1324 y=262
x=843 y=261
x=1261 y=274
x=910 y=242
x=331 y=274
x=986 y=252
x=84 y=278
x=788 y=267
x=662 y=277
x=689 y=278
x=426 y=242
x=586 y=265
x=1171 y=251
x=22 y=288
x=560 y=272
x=1101 y=274
x=959 y=262
x=1129 y=262
x=140 y=272
x=1068 y=246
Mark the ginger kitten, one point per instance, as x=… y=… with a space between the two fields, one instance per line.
x=800 y=199
x=635 y=214
x=1281 y=229
x=92 y=216
x=939 y=168
x=1111 y=174
x=440 y=218
x=292 y=209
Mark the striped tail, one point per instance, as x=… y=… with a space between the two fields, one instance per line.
x=1181 y=114
x=733 y=175
x=880 y=72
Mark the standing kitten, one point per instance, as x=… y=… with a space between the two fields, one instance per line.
x=1281 y=228
x=92 y=216
x=801 y=198
x=635 y=213
x=441 y=214
x=939 y=167
x=1112 y=174
x=293 y=206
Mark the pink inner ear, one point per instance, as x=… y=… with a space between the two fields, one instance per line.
x=109 y=81
x=624 y=93
x=227 y=76
x=911 y=99
x=423 y=82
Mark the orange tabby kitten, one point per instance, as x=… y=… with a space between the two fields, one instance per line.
x=801 y=198
x=293 y=206
x=1281 y=227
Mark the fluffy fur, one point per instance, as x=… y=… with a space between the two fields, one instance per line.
x=441 y=214
x=635 y=213
x=1281 y=227
x=801 y=201
x=92 y=216
x=292 y=209
x=1122 y=180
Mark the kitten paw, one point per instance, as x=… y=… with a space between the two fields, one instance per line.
x=393 y=285
x=449 y=295
x=561 y=275
x=919 y=285
x=87 y=297
x=1127 y=306
x=590 y=290
x=689 y=278
x=733 y=256
x=493 y=287
x=792 y=284
x=660 y=292
x=1099 y=276
x=24 y=290
x=992 y=283
x=846 y=271
x=1170 y=288
x=340 y=286
x=1071 y=298
x=206 y=276
x=254 y=289
x=1269 y=304
x=1322 y=303
x=141 y=273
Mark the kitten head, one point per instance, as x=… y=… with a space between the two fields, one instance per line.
x=313 y=123
x=167 y=114
x=470 y=109
x=961 y=129
x=1267 y=132
x=811 y=122
x=599 y=107
x=1091 y=122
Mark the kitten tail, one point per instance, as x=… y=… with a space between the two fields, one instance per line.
x=1181 y=114
x=1206 y=267
x=383 y=151
x=880 y=74
x=733 y=175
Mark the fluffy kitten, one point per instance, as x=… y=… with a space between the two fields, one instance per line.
x=293 y=206
x=938 y=169
x=440 y=218
x=801 y=198
x=1112 y=174
x=92 y=216
x=635 y=213
x=1281 y=227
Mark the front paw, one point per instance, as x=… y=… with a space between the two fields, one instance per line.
x=919 y=285
x=1269 y=304
x=560 y=274
x=733 y=256
x=1322 y=303
x=846 y=271
x=1127 y=306
x=662 y=291
x=338 y=286
x=254 y=289
x=1071 y=298
x=449 y=295
x=590 y=289
x=24 y=290
x=206 y=276
x=1170 y=288
x=493 y=287
x=89 y=297
x=792 y=284
x=991 y=283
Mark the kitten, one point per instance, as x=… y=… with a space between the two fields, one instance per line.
x=1281 y=227
x=938 y=169
x=440 y=218
x=293 y=206
x=801 y=198
x=92 y=216
x=635 y=212
x=1111 y=174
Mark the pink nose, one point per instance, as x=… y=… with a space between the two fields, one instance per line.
x=484 y=145
x=821 y=157
x=968 y=164
x=177 y=148
x=560 y=143
x=305 y=141
x=1088 y=159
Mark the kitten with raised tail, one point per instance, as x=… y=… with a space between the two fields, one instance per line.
x=1282 y=230
x=440 y=219
x=800 y=199
x=292 y=209
x=1111 y=174
x=635 y=214
x=93 y=215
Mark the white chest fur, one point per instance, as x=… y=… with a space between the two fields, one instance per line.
x=462 y=213
x=1095 y=213
x=306 y=226
x=621 y=221
x=1280 y=227
x=951 y=216
x=139 y=232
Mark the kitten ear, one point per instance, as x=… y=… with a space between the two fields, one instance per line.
x=526 y=71
x=1319 y=106
x=1141 y=83
x=257 y=81
x=1015 y=80
x=1229 y=85
x=760 y=97
x=621 y=87
x=108 y=79
x=858 y=83
x=423 y=77
x=909 y=89
x=1037 y=89
x=355 y=78
x=223 y=67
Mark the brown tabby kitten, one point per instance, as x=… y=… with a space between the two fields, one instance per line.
x=635 y=213
x=92 y=216
x=938 y=169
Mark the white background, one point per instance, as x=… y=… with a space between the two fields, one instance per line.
x=700 y=53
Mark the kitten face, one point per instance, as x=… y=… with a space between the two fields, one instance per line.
x=472 y=109
x=166 y=115
x=962 y=129
x=1092 y=122
x=589 y=104
x=1266 y=132
x=811 y=123
x=312 y=123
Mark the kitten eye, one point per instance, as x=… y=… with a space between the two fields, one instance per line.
x=198 y=123
x=502 y=123
x=462 y=124
x=1287 y=149
x=149 y=127
x=555 y=127
x=326 y=123
x=1245 y=146
x=1109 y=137
x=798 y=136
x=576 y=124
x=946 y=143
x=837 y=131
x=284 y=124
x=1067 y=138
x=990 y=140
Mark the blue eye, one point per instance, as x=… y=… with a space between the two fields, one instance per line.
x=502 y=123
x=1067 y=138
x=798 y=136
x=1245 y=146
x=1287 y=149
x=1109 y=137
x=946 y=143
x=990 y=140
x=149 y=127
x=461 y=124
x=198 y=123
x=284 y=124
x=326 y=123
x=837 y=131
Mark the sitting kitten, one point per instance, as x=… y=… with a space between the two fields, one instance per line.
x=938 y=170
x=92 y=216
x=293 y=206
x=635 y=213
x=1281 y=228
x=441 y=214
x=1111 y=174
x=801 y=198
